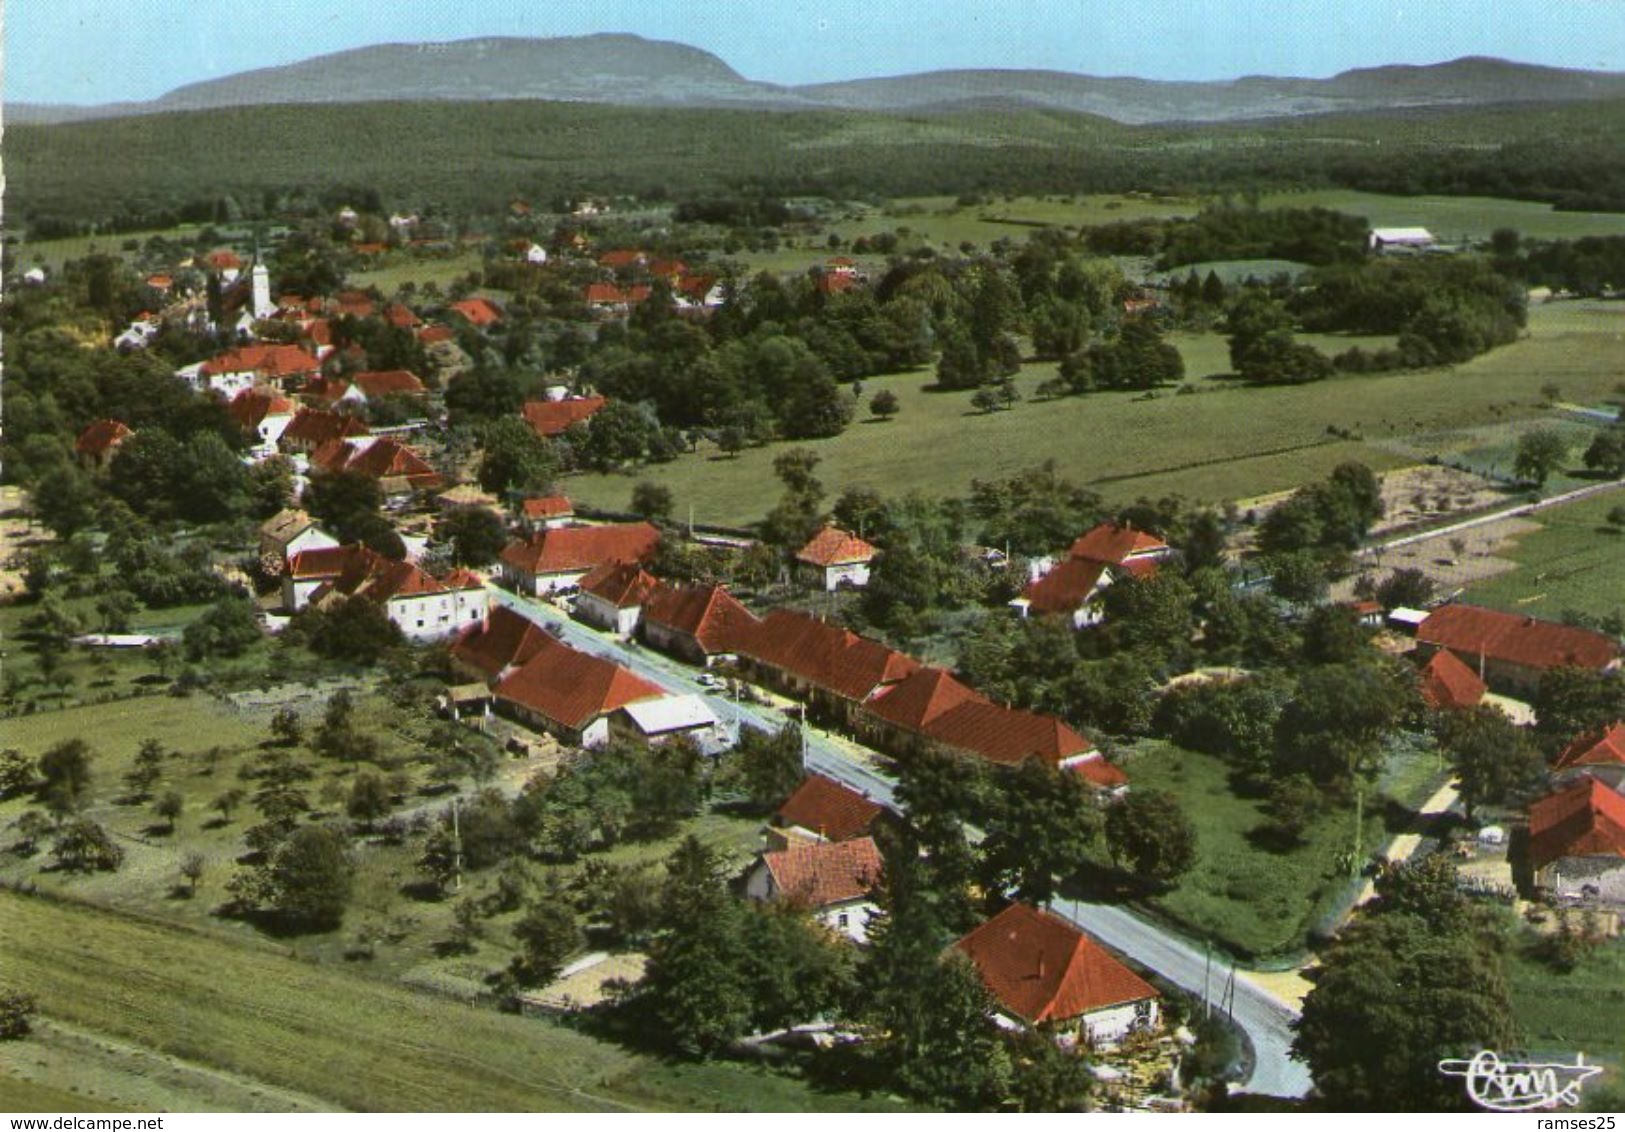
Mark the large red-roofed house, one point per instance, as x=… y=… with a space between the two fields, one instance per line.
x=558 y=558
x=833 y=880
x=833 y=668
x=571 y=694
x=1509 y=651
x=554 y=418
x=1041 y=970
x=1577 y=843
x=490 y=650
x=423 y=607
x=1599 y=753
x=699 y=624
x=613 y=595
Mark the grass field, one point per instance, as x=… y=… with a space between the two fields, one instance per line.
x=1255 y=903
x=1577 y=1012
x=1225 y=442
x=346 y=1040
x=1575 y=562
x=441 y=271
x=1453 y=219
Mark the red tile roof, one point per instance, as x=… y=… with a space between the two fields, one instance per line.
x=622 y=257
x=102 y=436
x=829 y=809
x=429 y=335
x=710 y=614
x=401 y=316
x=1065 y=588
x=385 y=382
x=565 y=550
x=552 y=418
x=316 y=427
x=625 y=585
x=614 y=295
x=825 y=873
x=326 y=562
x=834 y=282
x=383 y=458
x=1603 y=747
x=826 y=656
x=1010 y=736
x=1448 y=683
x=920 y=700
x=250 y=407
x=507 y=638
x=480 y=312
x=573 y=688
x=547 y=507
x=1472 y=630
x=269 y=361
x=356 y=303
x=835 y=547
x=1042 y=969
x=1112 y=543
x=1585 y=820
x=366 y=573
x=223 y=260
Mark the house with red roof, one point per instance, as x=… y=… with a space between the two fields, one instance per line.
x=821 y=809
x=401 y=317
x=833 y=880
x=623 y=259
x=1116 y=544
x=1509 y=651
x=101 y=439
x=423 y=607
x=1599 y=753
x=1449 y=685
x=399 y=470
x=434 y=335
x=929 y=708
x=481 y=313
x=557 y=559
x=311 y=429
x=831 y=668
x=1577 y=843
x=699 y=624
x=1074 y=589
x=1043 y=971
x=265 y=415
x=837 y=558
x=699 y=292
x=544 y=511
x=360 y=388
x=571 y=694
x=553 y=418
x=489 y=650
x=612 y=596
x=614 y=298
x=272 y=363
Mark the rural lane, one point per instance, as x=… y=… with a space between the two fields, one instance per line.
x=1266 y=1020
x=1579 y=493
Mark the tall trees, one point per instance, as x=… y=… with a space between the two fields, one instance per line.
x=1150 y=837
x=65 y=774
x=1421 y=977
x=1541 y=451
x=514 y=458
x=1038 y=832
x=1494 y=760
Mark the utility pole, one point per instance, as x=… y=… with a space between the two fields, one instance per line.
x=1207 y=974
x=456 y=846
x=1359 y=825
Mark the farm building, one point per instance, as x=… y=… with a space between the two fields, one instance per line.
x=837 y=558
x=558 y=558
x=1511 y=652
x=1577 y=843
x=821 y=809
x=834 y=880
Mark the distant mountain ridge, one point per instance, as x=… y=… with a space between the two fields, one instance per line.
x=630 y=70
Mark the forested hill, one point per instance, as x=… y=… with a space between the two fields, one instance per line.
x=475 y=157
x=629 y=70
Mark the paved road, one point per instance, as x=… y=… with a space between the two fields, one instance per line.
x=1266 y=1020
x=823 y=755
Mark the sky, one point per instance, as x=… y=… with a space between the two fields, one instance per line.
x=96 y=51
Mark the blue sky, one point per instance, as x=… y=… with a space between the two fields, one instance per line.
x=91 y=51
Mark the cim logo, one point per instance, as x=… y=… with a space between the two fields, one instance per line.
x=1519 y=1086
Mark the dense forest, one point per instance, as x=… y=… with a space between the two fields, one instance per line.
x=474 y=158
